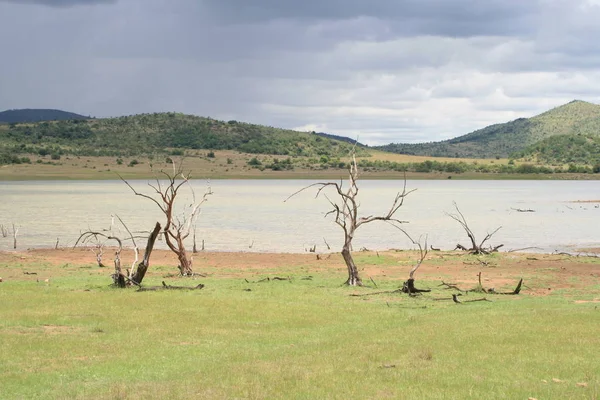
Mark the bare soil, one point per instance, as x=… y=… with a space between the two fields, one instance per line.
x=542 y=273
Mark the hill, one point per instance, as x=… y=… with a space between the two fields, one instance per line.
x=36 y=115
x=580 y=149
x=171 y=133
x=340 y=138
x=503 y=140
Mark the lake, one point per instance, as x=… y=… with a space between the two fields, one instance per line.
x=251 y=215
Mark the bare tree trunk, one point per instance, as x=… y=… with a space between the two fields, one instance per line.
x=353 y=278
x=118 y=277
x=142 y=267
x=185 y=264
x=15 y=231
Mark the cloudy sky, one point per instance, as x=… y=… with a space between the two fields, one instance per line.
x=382 y=70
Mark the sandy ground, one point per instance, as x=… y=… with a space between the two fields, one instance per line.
x=542 y=273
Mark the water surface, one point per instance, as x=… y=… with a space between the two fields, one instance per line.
x=251 y=215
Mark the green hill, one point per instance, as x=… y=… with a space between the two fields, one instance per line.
x=36 y=115
x=502 y=140
x=580 y=149
x=161 y=133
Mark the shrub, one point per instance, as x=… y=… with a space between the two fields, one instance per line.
x=255 y=162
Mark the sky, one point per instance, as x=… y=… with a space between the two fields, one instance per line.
x=382 y=71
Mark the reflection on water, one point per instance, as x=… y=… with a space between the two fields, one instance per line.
x=244 y=215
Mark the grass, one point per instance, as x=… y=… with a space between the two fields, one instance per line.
x=76 y=337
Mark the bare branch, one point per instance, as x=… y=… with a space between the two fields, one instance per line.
x=345 y=211
x=475 y=248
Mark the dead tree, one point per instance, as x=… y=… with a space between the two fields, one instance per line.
x=119 y=279
x=409 y=285
x=15 y=232
x=99 y=252
x=177 y=227
x=345 y=211
x=136 y=273
x=475 y=247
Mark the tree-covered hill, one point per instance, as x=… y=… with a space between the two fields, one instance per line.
x=161 y=132
x=36 y=115
x=581 y=149
x=502 y=140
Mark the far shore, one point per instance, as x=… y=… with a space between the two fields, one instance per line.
x=227 y=164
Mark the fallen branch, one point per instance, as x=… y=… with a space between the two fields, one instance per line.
x=375 y=293
x=451 y=286
x=481 y=289
x=170 y=287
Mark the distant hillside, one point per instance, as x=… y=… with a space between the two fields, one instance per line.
x=502 y=140
x=160 y=133
x=581 y=149
x=340 y=138
x=36 y=115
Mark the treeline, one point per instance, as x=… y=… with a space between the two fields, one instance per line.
x=461 y=167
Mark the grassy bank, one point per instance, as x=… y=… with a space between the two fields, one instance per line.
x=235 y=165
x=64 y=333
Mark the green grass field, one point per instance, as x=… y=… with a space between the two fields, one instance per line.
x=74 y=337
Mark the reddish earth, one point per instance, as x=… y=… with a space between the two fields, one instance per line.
x=542 y=273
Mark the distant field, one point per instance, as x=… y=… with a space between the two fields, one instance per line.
x=66 y=334
x=234 y=165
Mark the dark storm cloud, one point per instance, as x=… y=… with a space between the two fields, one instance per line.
x=60 y=3
x=435 y=17
x=383 y=70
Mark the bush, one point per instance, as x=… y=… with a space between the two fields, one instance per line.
x=255 y=162
x=210 y=154
x=133 y=162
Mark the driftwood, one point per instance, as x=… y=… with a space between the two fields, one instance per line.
x=169 y=287
x=275 y=278
x=457 y=301
x=481 y=289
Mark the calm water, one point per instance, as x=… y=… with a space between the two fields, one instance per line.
x=245 y=215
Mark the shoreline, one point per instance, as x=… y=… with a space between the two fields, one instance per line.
x=300 y=175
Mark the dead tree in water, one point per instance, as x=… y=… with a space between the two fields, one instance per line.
x=475 y=248
x=345 y=211
x=177 y=227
